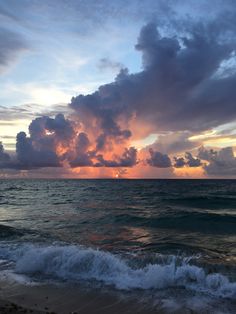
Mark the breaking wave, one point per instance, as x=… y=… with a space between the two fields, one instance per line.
x=76 y=263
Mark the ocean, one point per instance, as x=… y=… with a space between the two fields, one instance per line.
x=169 y=244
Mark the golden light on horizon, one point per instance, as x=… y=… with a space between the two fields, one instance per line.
x=190 y=172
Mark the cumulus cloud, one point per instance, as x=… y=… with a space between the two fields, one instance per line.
x=187 y=161
x=83 y=158
x=179 y=162
x=127 y=159
x=159 y=160
x=46 y=137
x=177 y=89
x=192 y=161
x=221 y=163
x=54 y=142
x=90 y=159
x=206 y=154
x=30 y=157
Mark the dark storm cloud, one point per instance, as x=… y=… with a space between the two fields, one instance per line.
x=187 y=161
x=192 y=161
x=127 y=159
x=82 y=155
x=53 y=141
x=61 y=128
x=11 y=46
x=39 y=149
x=179 y=162
x=89 y=158
x=29 y=157
x=221 y=163
x=159 y=160
x=4 y=157
x=177 y=89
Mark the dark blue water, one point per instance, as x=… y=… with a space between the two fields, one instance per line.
x=130 y=234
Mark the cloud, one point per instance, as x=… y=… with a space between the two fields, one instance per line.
x=55 y=142
x=12 y=44
x=206 y=154
x=127 y=159
x=221 y=163
x=159 y=160
x=83 y=158
x=108 y=64
x=179 y=162
x=177 y=89
x=29 y=112
x=176 y=94
x=188 y=161
x=192 y=161
x=29 y=157
x=40 y=149
x=174 y=142
x=4 y=157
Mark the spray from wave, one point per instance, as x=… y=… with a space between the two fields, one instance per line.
x=76 y=263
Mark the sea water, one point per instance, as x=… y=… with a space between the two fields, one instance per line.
x=154 y=236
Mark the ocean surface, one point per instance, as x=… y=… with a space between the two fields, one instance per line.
x=173 y=241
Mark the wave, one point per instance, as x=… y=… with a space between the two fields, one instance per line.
x=194 y=221
x=7 y=231
x=12 y=188
x=76 y=263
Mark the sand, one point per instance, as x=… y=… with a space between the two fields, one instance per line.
x=7 y=307
x=68 y=299
x=83 y=303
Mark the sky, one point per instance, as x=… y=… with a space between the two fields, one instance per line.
x=117 y=89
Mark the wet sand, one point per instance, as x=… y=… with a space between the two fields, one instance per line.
x=7 y=307
x=17 y=298
x=68 y=299
x=71 y=299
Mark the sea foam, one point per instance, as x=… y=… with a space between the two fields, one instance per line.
x=76 y=263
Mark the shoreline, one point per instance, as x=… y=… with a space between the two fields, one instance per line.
x=76 y=299
x=68 y=299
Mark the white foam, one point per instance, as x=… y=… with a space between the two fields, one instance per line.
x=11 y=277
x=77 y=263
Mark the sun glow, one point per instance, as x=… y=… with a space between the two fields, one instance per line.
x=48 y=133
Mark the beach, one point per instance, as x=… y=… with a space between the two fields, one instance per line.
x=73 y=299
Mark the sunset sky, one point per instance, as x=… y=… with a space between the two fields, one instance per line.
x=118 y=89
